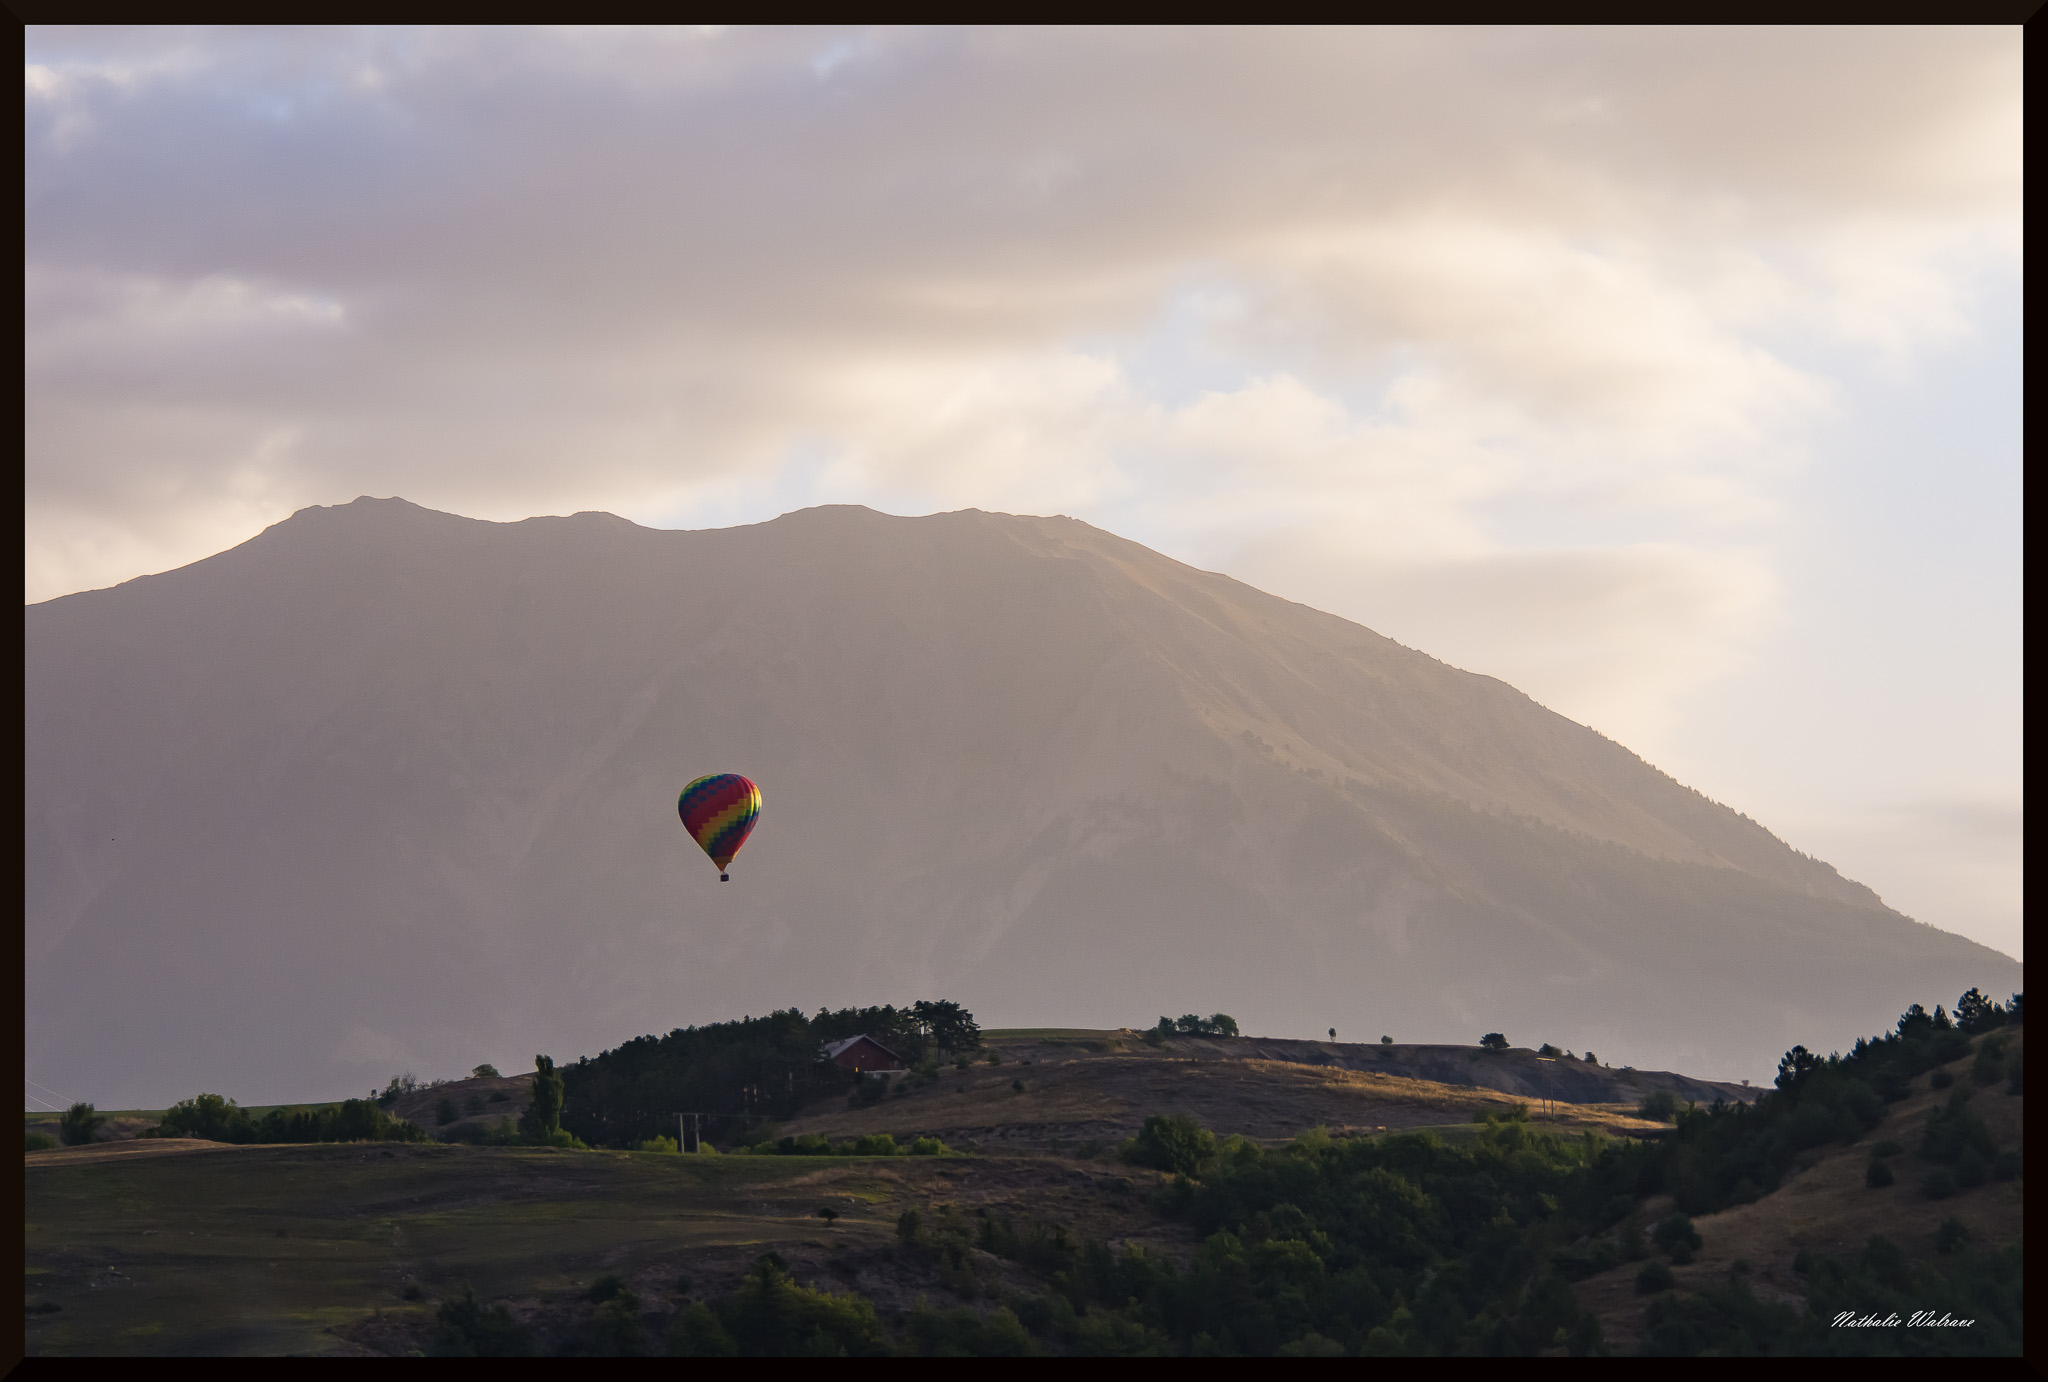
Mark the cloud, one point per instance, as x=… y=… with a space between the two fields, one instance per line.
x=1489 y=335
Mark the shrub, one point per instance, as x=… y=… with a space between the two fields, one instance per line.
x=1989 y=1067
x=2012 y=1076
x=80 y=1125
x=875 y=1144
x=1953 y=1130
x=1578 y=1262
x=1886 y=1148
x=1546 y=1049
x=1950 y=1236
x=468 y=1330
x=1386 y=1041
x=486 y=1071
x=1172 y=1142
x=1938 y=1184
x=2006 y=1165
x=1654 y=1277
x=1676 y=1235
x=960 y=1333
x=697 y=1333
x=445 y=1112
x=615 y=1330
x=1016 y=1086
x=1660 y=1106
x=1940 y=1079
x=666 y=1145
x=1494 y=1041
x=771 y=1316
x=40 y=1142
x=929 y=1146
x=1878 y=1174
x=610 y=1286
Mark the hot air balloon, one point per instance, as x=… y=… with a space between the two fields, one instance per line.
x=719 y=812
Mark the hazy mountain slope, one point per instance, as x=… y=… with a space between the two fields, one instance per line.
x=387 y=787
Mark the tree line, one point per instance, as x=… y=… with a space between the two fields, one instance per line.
x=220 y=1119
x=742 y=1073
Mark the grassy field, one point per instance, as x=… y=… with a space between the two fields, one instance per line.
x=284 y=1250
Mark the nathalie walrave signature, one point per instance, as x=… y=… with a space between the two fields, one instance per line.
x=1919 y=1319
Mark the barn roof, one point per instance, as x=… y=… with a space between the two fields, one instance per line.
x=833 y=1048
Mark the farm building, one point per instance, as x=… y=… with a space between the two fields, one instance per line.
x=862 y=1054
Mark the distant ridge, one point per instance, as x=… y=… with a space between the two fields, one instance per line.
x=386 y=788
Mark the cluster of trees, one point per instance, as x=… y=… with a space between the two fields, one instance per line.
x=1731 y=1153
x=220 y=1119
x=1189 y=1024
x=738 y=1073
x=1728 y=1320
x=1392 y=1246
x=772 y=1316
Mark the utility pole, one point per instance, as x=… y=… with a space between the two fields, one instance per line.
x=685 y=1124
x=1546 y=1061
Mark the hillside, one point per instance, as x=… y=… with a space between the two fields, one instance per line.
x=349 y=1250
x=384 y=788
x=1095 y=1088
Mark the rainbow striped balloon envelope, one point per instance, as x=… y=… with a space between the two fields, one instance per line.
x=719 y=812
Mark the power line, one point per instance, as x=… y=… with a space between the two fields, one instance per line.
x=49 y=1091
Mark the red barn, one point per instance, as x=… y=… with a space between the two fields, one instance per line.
x=861 y=1054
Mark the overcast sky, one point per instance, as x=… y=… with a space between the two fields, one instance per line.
x=1671 y=375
